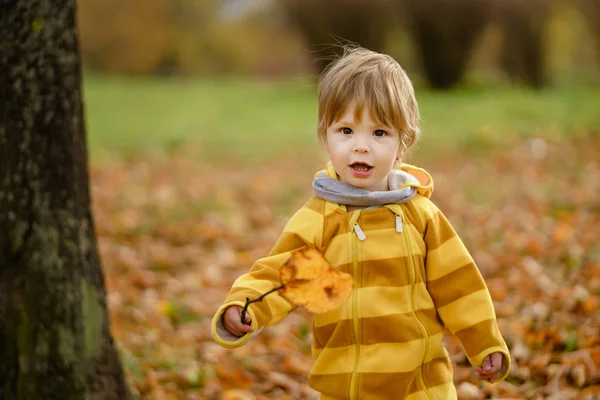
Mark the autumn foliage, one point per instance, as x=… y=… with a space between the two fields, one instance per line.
x=174 y=234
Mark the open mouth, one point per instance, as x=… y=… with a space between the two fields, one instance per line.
x=361 y=170
x=362 y=167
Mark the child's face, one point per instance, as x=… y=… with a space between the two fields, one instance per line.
x=363 y=152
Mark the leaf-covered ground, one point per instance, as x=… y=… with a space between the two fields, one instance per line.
x=174 y=234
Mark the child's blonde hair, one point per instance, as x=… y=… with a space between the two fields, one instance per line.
x=372 y=80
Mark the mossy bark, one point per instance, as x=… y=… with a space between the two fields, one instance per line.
x=55 y=341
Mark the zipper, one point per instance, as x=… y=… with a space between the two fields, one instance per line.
x=359 y=233
x=413 y=281
x=399 y=226
x=358 y=236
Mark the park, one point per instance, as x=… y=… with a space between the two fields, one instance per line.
x=138 y=182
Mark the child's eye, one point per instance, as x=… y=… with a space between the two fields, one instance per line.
x=346 y=131
x=379 y=133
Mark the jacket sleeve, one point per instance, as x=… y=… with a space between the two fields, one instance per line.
x=302 y=230
x=459 y=292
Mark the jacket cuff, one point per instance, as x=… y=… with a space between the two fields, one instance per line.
x=478 y=360
x=222 y=335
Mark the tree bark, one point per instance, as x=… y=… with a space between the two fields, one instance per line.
x=55 y=341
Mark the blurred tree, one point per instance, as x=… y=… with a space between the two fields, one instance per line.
x=183 y=37
x=324 y=24
x=125 y=36
x=55 y=341
x=208 y=40
x=591 y=10
x=444 y=33
x=523 y=53
x=192 y=24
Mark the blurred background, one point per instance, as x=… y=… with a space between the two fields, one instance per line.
x=174 y=71
x=201 y=121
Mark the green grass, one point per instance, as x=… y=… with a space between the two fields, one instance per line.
x=250 y=120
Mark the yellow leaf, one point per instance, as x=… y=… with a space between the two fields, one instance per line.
x=166 y=308
x=311 y=282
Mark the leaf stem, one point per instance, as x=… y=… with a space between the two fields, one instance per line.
x=248 y=301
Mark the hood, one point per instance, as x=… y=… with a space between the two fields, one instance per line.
x=406 y=175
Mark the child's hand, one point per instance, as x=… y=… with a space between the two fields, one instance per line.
x=232 y=320
x=490 y=367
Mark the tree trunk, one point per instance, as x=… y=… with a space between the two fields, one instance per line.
x=327 y=24
x=445 y=33
x=55 y=341
x=591 y=12
x=523 y=24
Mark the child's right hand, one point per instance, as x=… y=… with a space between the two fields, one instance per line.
x=232 y=321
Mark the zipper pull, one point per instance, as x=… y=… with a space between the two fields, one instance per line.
x=359 y=232
x=399 y=227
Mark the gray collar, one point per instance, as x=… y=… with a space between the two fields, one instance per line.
x=336 y=191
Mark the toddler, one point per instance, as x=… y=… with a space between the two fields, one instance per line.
x=372 y=217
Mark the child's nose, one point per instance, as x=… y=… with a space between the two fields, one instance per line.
x=361 y=146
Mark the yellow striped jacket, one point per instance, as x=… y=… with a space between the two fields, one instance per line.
x=413 y=277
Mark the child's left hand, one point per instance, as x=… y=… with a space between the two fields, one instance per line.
x=490 y=367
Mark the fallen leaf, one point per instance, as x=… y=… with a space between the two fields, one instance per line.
x=237 y=394
x=468 y=391
x=284 y=381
